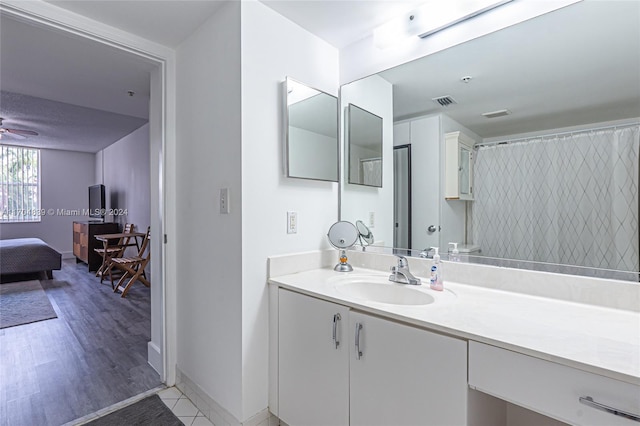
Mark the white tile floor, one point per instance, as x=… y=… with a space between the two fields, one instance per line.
x=183 y=408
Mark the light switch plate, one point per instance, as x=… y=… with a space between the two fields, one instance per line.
x=372 y=219
x=292 y=222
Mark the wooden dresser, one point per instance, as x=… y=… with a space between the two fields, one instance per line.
x=84 y=241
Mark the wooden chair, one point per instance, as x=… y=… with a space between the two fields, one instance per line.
x=133 y=267
x=114 y=251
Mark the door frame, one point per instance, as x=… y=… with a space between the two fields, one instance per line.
x=398 y=147
x=162 y=353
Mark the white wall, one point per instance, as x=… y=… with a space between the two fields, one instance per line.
x=273 y=48
x=65 y=179
x=312 y=154
x=124 y=171
x=209 y=274
x=363 y=57
x=373 y=94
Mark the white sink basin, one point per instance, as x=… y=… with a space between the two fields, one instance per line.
x=393 y=294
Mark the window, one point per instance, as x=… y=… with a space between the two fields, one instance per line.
x=19 y=184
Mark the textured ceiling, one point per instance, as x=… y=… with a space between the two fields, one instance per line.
x=62 y=126
x=50 y=64
x=68 y=84
x=574 y=66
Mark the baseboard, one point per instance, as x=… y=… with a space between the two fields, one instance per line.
x=210 y=408
x=263 y=418
x=154 y=357
x=214 y=411
x=67 y=255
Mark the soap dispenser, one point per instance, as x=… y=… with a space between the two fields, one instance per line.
x=455 y=254
x=436 y=273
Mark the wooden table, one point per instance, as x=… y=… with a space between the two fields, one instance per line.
x=106 y=238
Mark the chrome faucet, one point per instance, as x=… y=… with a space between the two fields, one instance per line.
x=401 y=274
x=426 y=254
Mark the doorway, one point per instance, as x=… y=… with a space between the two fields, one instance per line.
x=402 y=196
x=154 y=351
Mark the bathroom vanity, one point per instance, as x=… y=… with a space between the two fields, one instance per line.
x=355 y=349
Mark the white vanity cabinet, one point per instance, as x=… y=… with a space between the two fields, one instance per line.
x=405 y=375
x=458 y=166
x=552 y=389
x=313 y=367
x=391 y=374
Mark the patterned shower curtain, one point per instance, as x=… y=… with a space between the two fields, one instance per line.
x=371 y=171
x=569 y=199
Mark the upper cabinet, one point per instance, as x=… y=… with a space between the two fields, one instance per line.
x=458 y=166
x=311 y=130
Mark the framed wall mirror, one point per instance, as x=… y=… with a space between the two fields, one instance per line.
x=311 y=132
x=553 y=107
x=364 y=142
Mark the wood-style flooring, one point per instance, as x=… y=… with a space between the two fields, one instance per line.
x=90 y=357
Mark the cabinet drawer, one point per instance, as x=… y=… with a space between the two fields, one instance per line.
x=549 y=388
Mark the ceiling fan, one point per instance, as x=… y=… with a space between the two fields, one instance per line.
x=17 y=132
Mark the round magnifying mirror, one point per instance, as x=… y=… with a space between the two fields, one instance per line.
x=365 y=234
x=343 y=235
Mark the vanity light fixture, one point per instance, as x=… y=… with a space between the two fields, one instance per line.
x=428 y=19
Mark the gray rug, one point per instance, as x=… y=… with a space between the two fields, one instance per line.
x=149 y=411
x=23 y=303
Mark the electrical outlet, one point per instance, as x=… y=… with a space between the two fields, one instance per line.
x=292 y=222
x=224 y=200
x=372 y=219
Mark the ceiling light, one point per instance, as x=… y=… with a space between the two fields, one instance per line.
x=496 y=114
x=430 y=18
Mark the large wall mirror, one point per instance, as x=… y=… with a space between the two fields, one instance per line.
x=364 y=141
x=552 y=105
x=311 y=130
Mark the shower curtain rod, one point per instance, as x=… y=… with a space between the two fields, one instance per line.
x=509 y=141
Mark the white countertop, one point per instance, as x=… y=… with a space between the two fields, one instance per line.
x=596 y=339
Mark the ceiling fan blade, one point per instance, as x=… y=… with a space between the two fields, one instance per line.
x=22 y=132
x=5 y=134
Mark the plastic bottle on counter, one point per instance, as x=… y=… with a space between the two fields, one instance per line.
x=436 y=282
x=455 y=254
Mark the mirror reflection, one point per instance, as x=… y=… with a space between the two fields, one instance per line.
x=311 y=132
x=549 y=170
x=365 y=235
x=365 y=147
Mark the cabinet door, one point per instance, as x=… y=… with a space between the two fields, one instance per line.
x=405 y=376
x=313 y=370
x=465 y=172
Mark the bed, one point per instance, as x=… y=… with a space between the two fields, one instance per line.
x=28 y=255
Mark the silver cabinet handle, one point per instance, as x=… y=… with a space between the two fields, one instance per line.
x=336 y=318
x=587 y=400
x=358 y=351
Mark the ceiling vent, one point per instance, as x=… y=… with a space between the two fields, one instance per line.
x=444 y=100
x=496 y=114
